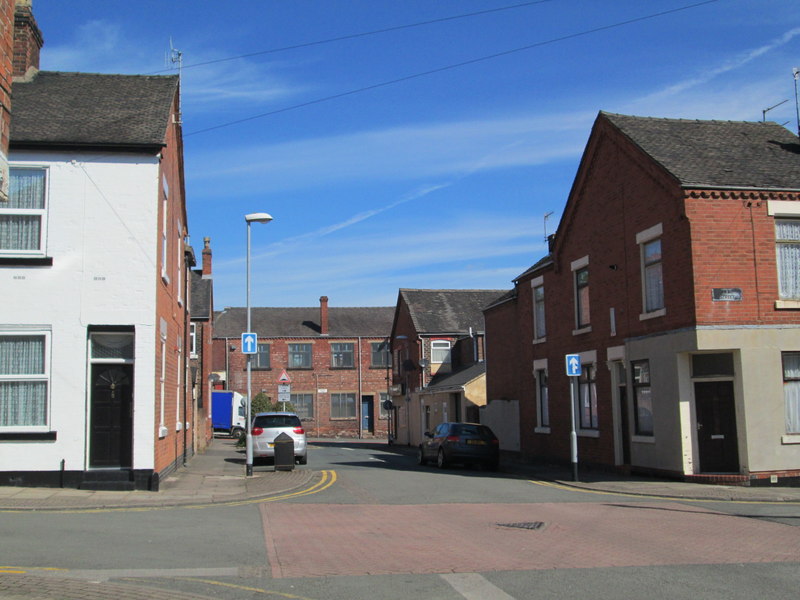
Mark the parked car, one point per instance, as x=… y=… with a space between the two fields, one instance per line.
x=466 y=443
x=269 y=425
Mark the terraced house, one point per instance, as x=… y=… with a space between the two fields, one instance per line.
x=674 y=275
x=94 y=268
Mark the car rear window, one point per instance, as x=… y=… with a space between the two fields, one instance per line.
x=270 y=421
x=480 y=431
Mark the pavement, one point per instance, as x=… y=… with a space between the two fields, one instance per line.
x=217 y=476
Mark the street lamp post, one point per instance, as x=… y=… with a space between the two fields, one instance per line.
x=251 y=218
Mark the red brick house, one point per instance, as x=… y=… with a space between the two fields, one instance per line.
x=336 y=359
x=437 y=359
x=201 y=326
x=675 y=275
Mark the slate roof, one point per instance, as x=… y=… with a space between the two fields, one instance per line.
x=448 y=311
x=202 y=294
x=90 y=109
x=270 y=322
x=457 y=379
x=727 y=154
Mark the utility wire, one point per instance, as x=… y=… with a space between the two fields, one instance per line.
x=357 y=35
x=450 y=67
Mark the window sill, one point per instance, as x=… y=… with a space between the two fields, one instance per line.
x=589 y=433
x=343 y=418
x=653 y=315
x=26 y=261
x=540 y=340
x=541 y=430
x=28 y=436
x=790 y=438
x=254 y=368
x=378 y=367
x=643 y=439
x=587 y=329
x=299 y=368
x=787 y=304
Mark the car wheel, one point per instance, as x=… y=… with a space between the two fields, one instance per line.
x=441 y=461
x=421 y=456
x=302 y=460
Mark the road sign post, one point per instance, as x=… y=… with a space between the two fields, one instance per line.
x=573 y=372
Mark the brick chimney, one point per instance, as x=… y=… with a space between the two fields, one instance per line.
x=28 y=40
x=323 y=315
x=206 y=258
x=6 y=70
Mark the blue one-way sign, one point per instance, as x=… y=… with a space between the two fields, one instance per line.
x=249 y=343
x=573 y=365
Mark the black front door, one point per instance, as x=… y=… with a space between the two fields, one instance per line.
x=716 y=427
x=111 y=437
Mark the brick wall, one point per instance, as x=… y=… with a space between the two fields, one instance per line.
x=362 y=381
x=171 y=300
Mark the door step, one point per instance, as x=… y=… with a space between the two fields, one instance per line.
x=110 y=481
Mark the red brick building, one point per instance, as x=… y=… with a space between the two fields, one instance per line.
x=675 y=275
x=336 y=360
x=437 y=342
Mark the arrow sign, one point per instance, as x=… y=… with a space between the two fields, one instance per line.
x=249 y=343
x=573 y=365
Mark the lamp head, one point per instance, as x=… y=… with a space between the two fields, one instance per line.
x=258 y=218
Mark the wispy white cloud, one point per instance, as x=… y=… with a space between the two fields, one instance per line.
x=398 y=153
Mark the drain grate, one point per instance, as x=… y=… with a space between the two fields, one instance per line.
x=532 y=525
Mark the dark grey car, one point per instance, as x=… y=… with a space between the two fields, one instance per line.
x=465 y=443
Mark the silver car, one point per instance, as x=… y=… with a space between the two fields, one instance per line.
x=269 y=425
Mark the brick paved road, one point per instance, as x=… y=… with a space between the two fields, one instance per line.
x=371 y=539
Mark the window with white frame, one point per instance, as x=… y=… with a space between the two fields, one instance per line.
x=164 y=228
x=24 y=379
x=343 y=405
x=787 y=241
x=299 y=356
x=179 y=263
x=23 y=217
x=440 y=351
x=303 y=405
x=542 y=399
x=539 y=327
x=791 y=390
x=342 y=355
x=642 y=398
x=587 y=397
x=193 y=340
x=580 y=270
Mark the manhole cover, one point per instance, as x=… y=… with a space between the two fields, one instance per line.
x=533 y=525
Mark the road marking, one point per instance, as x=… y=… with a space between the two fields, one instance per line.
x=475 y=587
x=245 y=588
x=327 y=480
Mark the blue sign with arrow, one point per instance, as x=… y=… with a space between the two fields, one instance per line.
x=249 y=343
x=573 y=365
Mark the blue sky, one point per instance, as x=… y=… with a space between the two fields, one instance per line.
x=443 y=178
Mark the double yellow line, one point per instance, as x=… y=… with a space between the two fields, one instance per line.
x=327 y=480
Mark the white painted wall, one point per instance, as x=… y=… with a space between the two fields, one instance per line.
x=102 y=237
